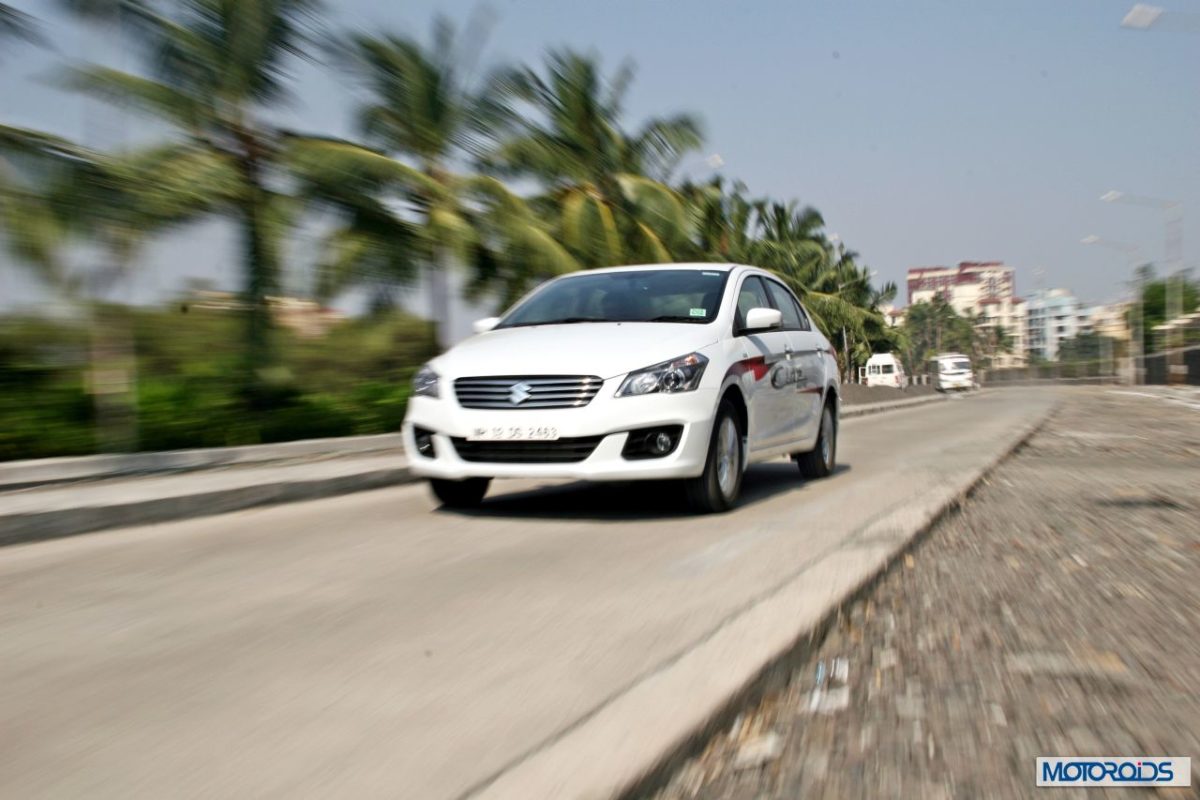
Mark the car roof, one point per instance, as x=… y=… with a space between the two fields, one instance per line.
x=696 y=266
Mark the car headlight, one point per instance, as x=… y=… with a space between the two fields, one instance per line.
x=425 y=383
x=677 y=375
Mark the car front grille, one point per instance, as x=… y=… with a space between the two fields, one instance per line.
x=533 y=391
x=558 y=451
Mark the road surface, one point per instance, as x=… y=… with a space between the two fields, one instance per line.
x=370 y=646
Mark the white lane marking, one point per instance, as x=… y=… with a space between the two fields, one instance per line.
x=1168 y=398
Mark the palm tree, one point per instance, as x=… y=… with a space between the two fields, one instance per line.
x=27 y=225
x=424 y=113
x=215 y=66
x=16 y=24
x=602 y=186
x=721 y=221
x=933 y=327
x=790 y=241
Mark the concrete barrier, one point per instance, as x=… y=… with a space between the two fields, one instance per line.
x=39 y=472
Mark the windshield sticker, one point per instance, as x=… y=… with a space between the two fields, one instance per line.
x=697 y=312
x=710 y=273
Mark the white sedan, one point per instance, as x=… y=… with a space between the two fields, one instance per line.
x=667 y=371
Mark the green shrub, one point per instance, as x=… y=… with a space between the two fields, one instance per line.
x=355 y=380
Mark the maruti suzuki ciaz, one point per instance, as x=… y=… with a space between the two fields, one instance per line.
x=668 y=371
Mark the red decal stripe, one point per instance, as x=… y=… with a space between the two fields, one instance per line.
x=757 y=366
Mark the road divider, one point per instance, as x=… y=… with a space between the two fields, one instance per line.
x=53 y=498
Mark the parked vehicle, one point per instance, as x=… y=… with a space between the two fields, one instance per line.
x=688 y=371
x=883 y=369
x=952 y=371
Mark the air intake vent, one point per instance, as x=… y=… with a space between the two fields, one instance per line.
x=558 y=451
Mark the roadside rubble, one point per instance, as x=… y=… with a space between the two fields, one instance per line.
x=1058 y=613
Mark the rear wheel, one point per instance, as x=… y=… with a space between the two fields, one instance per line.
x=460 y=494
x=717 y=488
x=819 y=462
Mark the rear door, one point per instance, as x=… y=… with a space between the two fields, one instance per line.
x=807 y=377
x=763 y=355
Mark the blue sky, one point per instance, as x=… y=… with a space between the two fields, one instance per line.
x=926 y=131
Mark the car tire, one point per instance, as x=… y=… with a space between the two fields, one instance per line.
x=820 y=461
x=716 y=489
x=460 y=494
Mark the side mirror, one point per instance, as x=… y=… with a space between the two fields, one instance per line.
x=762 y=319
x=486 y=324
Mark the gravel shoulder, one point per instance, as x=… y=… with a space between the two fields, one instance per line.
x=1056 y=613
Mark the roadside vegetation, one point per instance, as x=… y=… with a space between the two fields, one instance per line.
x=512 y=174
x=354 y=379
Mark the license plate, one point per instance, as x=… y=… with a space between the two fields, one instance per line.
x=513 y=433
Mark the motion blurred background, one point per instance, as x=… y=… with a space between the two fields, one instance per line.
x=237 y=221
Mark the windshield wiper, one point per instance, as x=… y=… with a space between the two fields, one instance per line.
x=675 y=318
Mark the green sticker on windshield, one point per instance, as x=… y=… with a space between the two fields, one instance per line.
x=698 y=312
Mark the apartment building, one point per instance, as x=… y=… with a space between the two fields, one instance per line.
x=1052 y=315
x=985 y=290
x=1111 y=320
x=1009 y=314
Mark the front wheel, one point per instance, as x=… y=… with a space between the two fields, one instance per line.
x=717 y=488
x=819 y=462
x=460 y=494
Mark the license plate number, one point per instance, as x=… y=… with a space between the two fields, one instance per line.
x=513 y=433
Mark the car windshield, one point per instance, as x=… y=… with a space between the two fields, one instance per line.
x=660 y=295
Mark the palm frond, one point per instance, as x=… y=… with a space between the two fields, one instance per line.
x=16 y=24
x=179 y=107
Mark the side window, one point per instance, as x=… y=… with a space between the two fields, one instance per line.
x=751 y=295
x=805 y=323
x=787 y=306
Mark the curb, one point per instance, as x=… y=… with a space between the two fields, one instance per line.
x=61 y=523
x=746 y=656
x=850 y=412
x=44 y=471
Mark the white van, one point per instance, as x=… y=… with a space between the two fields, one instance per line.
x=952 y=371
x=883 y=369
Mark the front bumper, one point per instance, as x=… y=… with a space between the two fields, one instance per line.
x=606 y=416
x=957 y=382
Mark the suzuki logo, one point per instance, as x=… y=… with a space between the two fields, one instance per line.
x=519 y=393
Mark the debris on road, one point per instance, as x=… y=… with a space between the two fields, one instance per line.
x=1054 y=614
x=758 y=751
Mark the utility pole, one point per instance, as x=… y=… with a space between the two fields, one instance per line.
x=846 y=356
x=1176 y=371
x=1134 y=254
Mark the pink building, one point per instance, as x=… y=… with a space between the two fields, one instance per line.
x=983 y=290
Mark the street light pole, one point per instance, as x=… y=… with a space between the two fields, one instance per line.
x=1137 y=334
x=1144 y=17
x=1173 y=257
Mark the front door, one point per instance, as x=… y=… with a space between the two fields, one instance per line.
x=806 y=375
x=765 y=363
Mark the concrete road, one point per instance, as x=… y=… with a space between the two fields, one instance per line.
x=370 y=646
